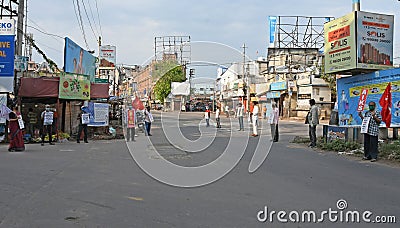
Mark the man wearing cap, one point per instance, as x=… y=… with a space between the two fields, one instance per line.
x=47 y=119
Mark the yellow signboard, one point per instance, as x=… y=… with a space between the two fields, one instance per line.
x=340 y=44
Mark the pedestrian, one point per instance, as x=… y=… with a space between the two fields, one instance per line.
x=47 y=119
x=148 y=119
x=207 y=115
x=265 y=112
x=83 y=118
x=227 y=111
x=312 y=120
x=371 y=121
x=273 y=121
x=32 y=121
x=255 y=118
x=16 y=134
x=217 y=118
x=239 y=115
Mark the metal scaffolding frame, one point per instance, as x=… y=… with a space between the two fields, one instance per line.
x=178 y=47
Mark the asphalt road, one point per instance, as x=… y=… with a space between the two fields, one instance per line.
x=100 y=185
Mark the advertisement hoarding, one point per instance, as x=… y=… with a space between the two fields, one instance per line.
x=7 y=50
x=359 y=40
x=7 y=27
x=340 y=44
x=351 y=88
x=374 y=40
x=98 y=114
x=78 y=61
x=107 y=56
x=74 y=87
x=272 y=29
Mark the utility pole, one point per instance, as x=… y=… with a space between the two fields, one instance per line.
x=20 y=26
x=245 y=75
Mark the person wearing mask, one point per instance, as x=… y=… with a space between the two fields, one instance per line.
x=47 y=119
x=83 y=119
x=273 y=121
x=371 y=136
x=239 y=115
x=312 y=120
x=148 y=119
x=254 y=118
x=217 y=118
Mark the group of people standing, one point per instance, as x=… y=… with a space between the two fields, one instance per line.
x=253 y=118
x=48 y=117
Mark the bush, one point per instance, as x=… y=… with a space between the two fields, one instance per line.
x=338 y=145
x=390 y=151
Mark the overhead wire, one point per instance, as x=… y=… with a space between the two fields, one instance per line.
x=98 y=17
x=94 y=21
x=87 y=16
x=80 y=21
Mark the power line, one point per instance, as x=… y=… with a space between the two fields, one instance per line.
x=91 y=13
x=42 y=30
x=80 y=21
x=87 y=16
x=98 y=17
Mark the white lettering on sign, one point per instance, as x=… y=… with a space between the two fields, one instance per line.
x=363 y=100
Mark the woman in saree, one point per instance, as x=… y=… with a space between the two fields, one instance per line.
x=16 y=134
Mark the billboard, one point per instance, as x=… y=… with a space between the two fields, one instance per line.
x=7 y=50
x=359 y=40
x=77 y=60
x=98 y=114
x=365 y=88
x=108 y=56
x=374 y=40
x=272 y=29
x=7 y=27
x=74 y=87
x=340 y=44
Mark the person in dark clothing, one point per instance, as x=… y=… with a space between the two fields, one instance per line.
x=83 y=118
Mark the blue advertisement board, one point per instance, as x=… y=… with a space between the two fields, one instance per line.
x=7 y=50
x=78 y=61
x=278 y=86
x=350 y=88
x=98 y=114
x=272 y=28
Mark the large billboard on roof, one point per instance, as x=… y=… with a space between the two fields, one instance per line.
x=77 y=60
x=359 y=40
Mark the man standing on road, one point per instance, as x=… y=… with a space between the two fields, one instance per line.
x=227 y=111
x=47 y=118
x=371 y=136
x=273 y=121
x=313 y=120
x=83 y=118
x=255 y=118
x=217 y=118
x=207 y=115
x=239 y=115
x=148 y=119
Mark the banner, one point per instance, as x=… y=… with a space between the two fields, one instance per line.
x=340 y=44
x=350 y=89
x=74 y=87
x=7 y=26
x=78 y=61
x=272 y=30
x=108 y=56
x=7 y=50
x=131 y=118
x=98 y=114
x=374 y=40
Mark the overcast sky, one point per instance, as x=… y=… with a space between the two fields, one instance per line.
x=132 y=25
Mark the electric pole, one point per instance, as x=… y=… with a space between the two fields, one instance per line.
x=245 y=75
x=20 y=26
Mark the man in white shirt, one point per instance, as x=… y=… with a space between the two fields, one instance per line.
x=239 y=115
x=217 y=118
x=47 y=118
x=255 y=118
x=273 y=121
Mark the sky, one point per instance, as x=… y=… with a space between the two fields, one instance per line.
x=132 y=25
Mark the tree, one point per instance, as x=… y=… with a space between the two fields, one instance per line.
x=166 y=72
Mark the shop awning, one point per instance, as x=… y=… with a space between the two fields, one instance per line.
x=47 y=87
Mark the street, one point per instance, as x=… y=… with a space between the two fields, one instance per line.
x=100 y=185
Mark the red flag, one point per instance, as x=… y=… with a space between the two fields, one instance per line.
x=386 y=103
x=137 y=104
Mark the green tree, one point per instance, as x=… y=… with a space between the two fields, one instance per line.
x=164 y=73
